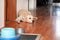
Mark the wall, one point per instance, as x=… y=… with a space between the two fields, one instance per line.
x=32 y=4
x=1 y=13
x=22 y=4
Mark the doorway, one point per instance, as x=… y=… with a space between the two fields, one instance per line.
x=56 y=1
x=41 y=3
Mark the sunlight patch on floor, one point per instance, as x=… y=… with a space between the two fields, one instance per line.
x=58 y=27
x=58 y=23
x=58 y=12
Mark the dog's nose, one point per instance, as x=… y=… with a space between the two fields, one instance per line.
x=33 y=21
x=21 y=21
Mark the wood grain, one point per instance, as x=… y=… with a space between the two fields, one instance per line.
x=41 y=26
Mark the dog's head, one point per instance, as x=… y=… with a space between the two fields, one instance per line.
x=28 y=18
x=31 y=18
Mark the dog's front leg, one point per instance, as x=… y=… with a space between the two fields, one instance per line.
x=18 y=20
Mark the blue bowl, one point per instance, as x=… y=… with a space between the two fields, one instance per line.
x=8 y=32
x=15 y=38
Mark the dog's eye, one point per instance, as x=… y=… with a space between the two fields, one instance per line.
x=29 y=18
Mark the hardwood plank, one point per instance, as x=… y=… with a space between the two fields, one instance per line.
x=41 y=26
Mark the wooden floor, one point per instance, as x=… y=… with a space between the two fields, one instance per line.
x=48 y=24
x=41 y=26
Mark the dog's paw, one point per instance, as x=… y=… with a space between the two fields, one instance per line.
x=17 y=20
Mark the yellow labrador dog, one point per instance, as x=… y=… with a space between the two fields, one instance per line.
x=25 y=16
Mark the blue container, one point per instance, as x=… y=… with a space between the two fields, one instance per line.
x=14 y=38
x=8 y=33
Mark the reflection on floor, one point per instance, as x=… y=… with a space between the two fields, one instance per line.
x=47 y=25
x=41 y=26
x=52 y=22
x=57 y=22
